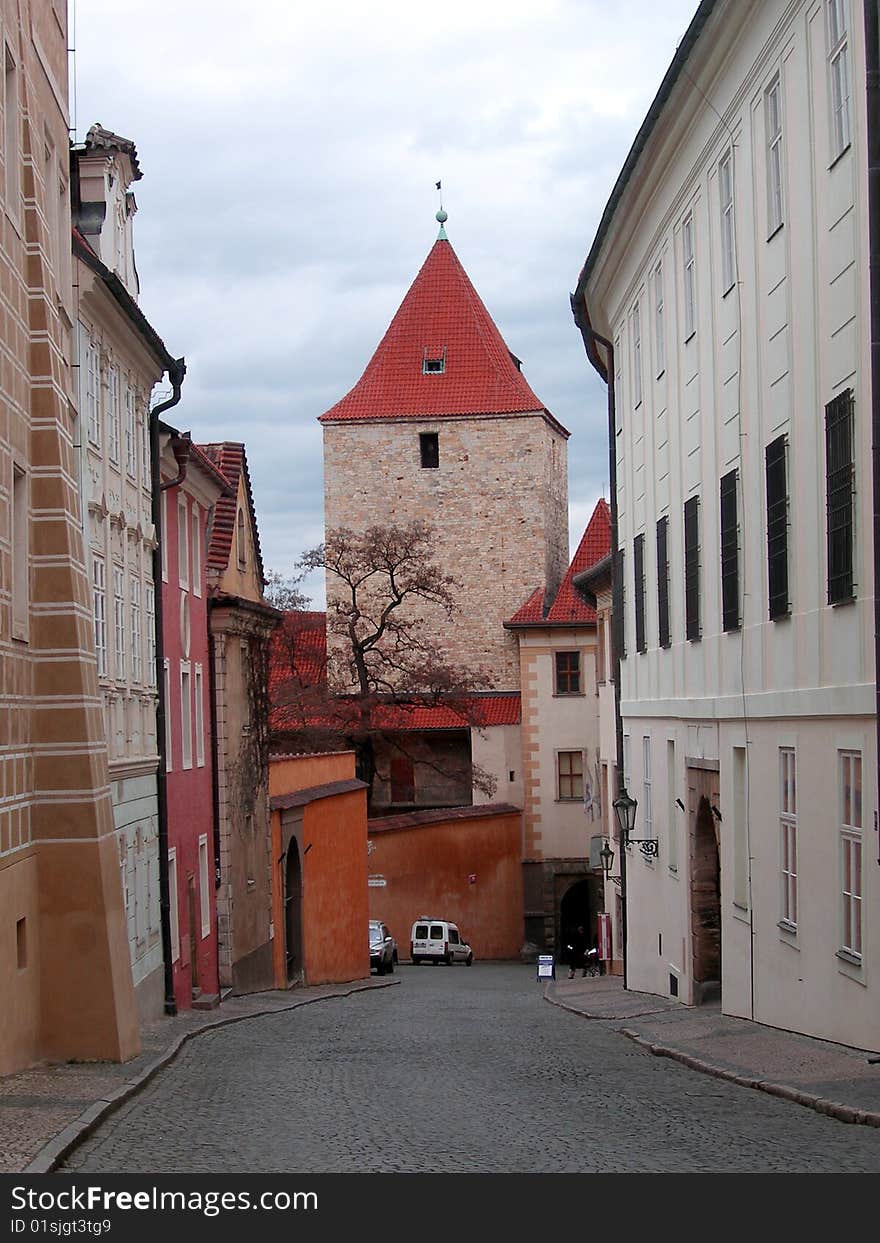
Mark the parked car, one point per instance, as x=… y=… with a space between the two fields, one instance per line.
x=438 y=940
x=383 y=948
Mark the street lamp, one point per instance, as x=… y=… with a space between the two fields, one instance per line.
x=625 y=810
x=606 y=854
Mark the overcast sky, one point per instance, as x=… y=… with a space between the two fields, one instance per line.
x=290 y=153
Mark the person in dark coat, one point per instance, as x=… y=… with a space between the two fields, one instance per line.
x=577 y=947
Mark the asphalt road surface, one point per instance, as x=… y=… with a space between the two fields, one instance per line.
x=453 y=1070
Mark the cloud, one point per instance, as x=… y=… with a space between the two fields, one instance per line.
x=289 y=155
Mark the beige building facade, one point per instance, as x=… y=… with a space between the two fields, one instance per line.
x=65 y=971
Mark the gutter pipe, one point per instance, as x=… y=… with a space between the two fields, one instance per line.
x=872 y=75
x=605 y=367
x=176 y=372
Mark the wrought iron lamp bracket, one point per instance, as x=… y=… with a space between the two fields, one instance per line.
x=649 y=846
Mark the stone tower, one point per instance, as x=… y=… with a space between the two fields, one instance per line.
x=442 y=426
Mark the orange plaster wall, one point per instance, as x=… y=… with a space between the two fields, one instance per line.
x=335 y=908
x=426 y=870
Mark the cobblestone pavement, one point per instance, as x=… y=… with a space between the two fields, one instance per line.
x=454 y=1070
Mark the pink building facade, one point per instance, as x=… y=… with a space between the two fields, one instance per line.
x=190 y=487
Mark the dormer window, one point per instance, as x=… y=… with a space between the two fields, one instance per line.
x=434 y=361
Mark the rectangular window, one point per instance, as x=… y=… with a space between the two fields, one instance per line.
x=130 y=436
x=838 y=72
x=144 y=428
x=851 y=851
x=89 y=388
x=20 y=555
x=637 y=354
x=601 y=644
x=119 y=621
x=570 y=770
x=740 y=831
x=173 y=901
x=182 y=542
x=690 y=277
x=788 y=835
x=639 y=590
x=429 y=450
x=113 y=415
x=692 y=568
x=839 y=484
x=199 y=717
x=204 y=886
x=169 y=755
x=568 y=673
x=663 y=580
x=728 y=239
x=196 y=551
x=135 y=629
x=647 y=790
x=659 y=324
x=99 y=600
x=163 y=536
x=729 y=552
x=671 y=808
x=776 y=469
x=773 y=122
x=619 y=618
x=150 y=622
x=11 y=135
x=185 y=716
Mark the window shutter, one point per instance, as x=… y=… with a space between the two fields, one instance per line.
x=839 y=494
x=777 y=527
x=663 y=580
x=639 y=585
x=729 y=553
x=692 y=567
x=620 y=603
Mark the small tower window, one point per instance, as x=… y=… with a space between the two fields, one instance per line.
x=434 y=361
x=429 y=448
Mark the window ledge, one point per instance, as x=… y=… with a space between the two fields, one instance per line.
x=569 y=694
x=690 y=336
x=661 y=373
x=841 y=153
x=851 y=959
x=728 y=290
x=788 y=929
x=775 y=232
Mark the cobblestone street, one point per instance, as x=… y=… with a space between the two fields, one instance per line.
x=454 y=1070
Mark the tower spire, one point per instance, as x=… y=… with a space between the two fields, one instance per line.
x=441 y=216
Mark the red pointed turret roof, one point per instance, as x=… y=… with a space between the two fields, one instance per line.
x=442 y=316
x=569 y=607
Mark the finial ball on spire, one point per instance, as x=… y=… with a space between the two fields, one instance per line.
x=441 y=216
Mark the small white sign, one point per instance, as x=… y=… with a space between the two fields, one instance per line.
x=546 y=967
x=376 y=882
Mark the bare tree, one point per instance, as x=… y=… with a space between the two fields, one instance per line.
x=388 y=603
x=283 y=591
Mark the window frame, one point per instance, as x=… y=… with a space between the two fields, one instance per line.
x=638 y=392
x=851 y=853
x=429 y=450
x=777 y=506
x=99 y=611
x=204 y=887
x=840 y=491
x=659 y=322
x=788 y=843
x=839 y=78
x=196 y=550
x=199 y=714
x=775 y=155
x=571 y=776
x=174 y=915
x=136 y=657
x=664 y=634
x=639 y=591
x=689 y=274
x=560 y=674
x=186 y=715
x=183 y=551
x=19 y=547
x=726 y=191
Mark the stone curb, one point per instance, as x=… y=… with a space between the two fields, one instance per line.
x=832 y=1109
x=53 y=1153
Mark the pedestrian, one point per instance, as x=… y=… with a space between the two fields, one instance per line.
x=577 y=948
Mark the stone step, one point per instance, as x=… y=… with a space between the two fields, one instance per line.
x=206 y=1001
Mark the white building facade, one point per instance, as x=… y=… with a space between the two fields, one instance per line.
x=730 y=275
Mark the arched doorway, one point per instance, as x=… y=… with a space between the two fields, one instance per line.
x=575 y=908
x=293 y=911
x=706 y=904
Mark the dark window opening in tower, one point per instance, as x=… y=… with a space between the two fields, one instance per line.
x=429 y=448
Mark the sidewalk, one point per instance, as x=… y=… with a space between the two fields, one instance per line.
x=830 y=1078
x=45 y=1110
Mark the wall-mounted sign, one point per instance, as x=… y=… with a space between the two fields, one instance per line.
x=376 y=882
x=604 y=935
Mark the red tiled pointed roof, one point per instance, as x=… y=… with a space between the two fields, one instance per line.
x=569 y=607
x=229 y=458
x=442 y=317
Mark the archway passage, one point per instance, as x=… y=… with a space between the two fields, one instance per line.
x=576 y=908
x=293 y=911
x=706 y=905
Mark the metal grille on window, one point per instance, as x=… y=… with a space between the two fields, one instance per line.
x=729 y=552
x=663 y=580
x=839 y=494
x=777 y=527
x=692 y=567
x=639 y=585
x=619 y=619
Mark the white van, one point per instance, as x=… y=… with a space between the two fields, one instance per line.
x=437 y=940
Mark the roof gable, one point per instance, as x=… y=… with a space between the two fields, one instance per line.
x=230 y=459
x=569 y=607
x=442 y=318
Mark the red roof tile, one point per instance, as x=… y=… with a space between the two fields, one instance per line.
x=230 y=459
x=569 y=607
x=442 y=316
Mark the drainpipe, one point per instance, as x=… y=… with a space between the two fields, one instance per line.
x=176 y=373
x=872 y=67
x=605 y=369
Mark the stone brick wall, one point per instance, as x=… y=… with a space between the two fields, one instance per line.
x=498 y=501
